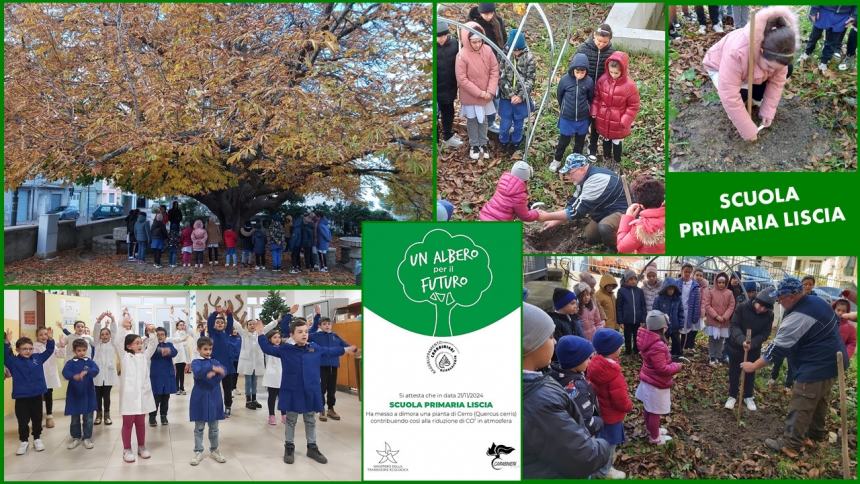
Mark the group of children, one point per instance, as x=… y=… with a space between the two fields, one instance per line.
x=589 y=372
x=596 y=95
x=307 y=235
x=154 y=366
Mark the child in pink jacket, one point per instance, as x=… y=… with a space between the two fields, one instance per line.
x=642 y=229
x=198 y=242
x=511 y=198
x=589 y=311
x=776 y=38
x=477 y=73
x=718 y=305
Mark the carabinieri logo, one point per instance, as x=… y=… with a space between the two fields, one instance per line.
x=441 y=357
x=496 y=451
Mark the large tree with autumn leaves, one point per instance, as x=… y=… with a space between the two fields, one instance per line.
x=240 y=106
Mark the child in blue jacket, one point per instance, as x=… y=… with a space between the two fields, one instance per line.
x=630 y=310
x=28 y=386
x=206 y=404
x=300 y=384
x=329 y=365
x=81 y=394
x=162 y=376
x=323 y=241
x=668 y=301
x=219 y=327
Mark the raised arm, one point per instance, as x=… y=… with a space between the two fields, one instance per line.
x=270 y=326
x=40 y=358
x=267 y=347
x=210 y=322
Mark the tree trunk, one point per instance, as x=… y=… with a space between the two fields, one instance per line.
x=235 y=206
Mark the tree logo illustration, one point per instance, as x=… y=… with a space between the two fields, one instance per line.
x=446 y=271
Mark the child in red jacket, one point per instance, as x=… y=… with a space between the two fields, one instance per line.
x=185 y=240
x=615 y=105
x=655 y=376
x=230 y=239
x=847 y=330
x=642 y=229
x=604 y=374
x=511 y=198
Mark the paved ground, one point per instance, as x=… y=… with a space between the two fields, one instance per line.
x=75 y=267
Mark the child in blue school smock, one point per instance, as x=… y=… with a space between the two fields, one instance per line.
x=162 y=376
x=28 y=386
x=81 y=394
x=219 y=327
x=300 y=386
x=206 y=405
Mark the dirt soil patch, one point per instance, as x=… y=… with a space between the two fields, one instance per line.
x=562 y=239
x=704 y=139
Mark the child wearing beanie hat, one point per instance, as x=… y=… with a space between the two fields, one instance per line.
x=589 y=311
x=607 y=380
x=655 y=376
x=444 y=210
x=556 y=443
x=573 y=354
x=566 y=314
x=511 y=199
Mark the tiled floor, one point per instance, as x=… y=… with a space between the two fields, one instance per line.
x=254 y=449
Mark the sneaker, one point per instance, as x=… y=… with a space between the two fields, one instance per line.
x=294 y=271
x=662 y=440
x=256 y=403
x=730 y=403
x=664 y=431
x=494 y=128
x=73 y=444
x=850 y=62
x=22 y=448
x=324 y=269
x=289 y=453
x=315 y=454
x=198 y=456
x=718 y=28
x=323 y=417
x=143 y=453
x=272 y=420
x=713 y=362
x=152 y=422
x=554 y=166
x=823 y=68
x=453 y=142
x=250 y=405
x=227 y=412
x=750 y=403
x=803 y=57
x=217 y=457
x=615 y=474
x=164 y=420
x=837 y=55
x=702 y=29
x=333 y=415
x=88 y=444
x=128 y=455
x=38 y=445
x=49 y=421
x=486 y=152
x=475 y=152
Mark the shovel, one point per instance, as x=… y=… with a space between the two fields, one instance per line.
x=743 y=379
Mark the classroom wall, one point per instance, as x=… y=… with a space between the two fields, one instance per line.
x=10 y=322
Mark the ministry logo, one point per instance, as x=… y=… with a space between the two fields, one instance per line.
x=388 y=455
x=497 y=451
x=388 y=460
